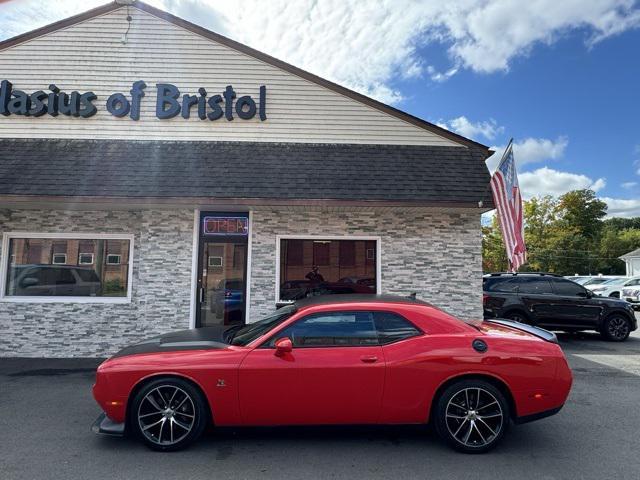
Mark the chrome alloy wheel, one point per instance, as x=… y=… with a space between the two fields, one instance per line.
x=474 y=417
x=166 y=415
x=618 y=328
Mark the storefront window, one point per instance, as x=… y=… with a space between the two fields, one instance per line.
x=55 y=267
x=312 y=267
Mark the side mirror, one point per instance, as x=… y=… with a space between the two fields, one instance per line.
x=589 y=293
x=29 y=282
x=283 y=345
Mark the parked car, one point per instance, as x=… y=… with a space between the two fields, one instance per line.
x=579 y=279
x=228 y=298
x=53 y=280
x=613 y=288
x=553 y=302
x=600 y=280
x=340 y=359
x=632 y=295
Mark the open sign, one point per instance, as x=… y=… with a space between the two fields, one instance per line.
x=226 y=226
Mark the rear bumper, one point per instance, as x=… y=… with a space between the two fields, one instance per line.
x=105 y=426
x=537 y=416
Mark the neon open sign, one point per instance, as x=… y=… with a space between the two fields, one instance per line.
x=226 y=226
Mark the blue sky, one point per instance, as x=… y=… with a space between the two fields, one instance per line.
x=561 y=78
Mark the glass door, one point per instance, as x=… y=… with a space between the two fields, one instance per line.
x=223 y=270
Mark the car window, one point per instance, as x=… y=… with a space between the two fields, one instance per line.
x=392 y=327
x=534 y=285
x=614 y=281
x=250 y=332
x=633 y=282
x=332 y=329
x=567 y=288
x=501 y=284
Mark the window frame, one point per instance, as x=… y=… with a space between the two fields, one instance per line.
x=107 y=262
x=279 y=239
x=212 y=257
x=54 y=255
x=4 y=264
x=80 y=262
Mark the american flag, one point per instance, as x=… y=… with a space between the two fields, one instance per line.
x=506 y=195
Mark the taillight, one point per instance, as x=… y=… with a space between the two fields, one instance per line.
x=485 y=298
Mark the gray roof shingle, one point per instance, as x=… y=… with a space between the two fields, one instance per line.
x=170 y=169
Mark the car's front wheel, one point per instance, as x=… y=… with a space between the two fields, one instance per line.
x=471 y=416
x=168 y=414
x=616 y=328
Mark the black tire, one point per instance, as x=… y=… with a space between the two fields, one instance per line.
x=517 y=316
x=173 y=402
x=486 y=428
x=616 y=328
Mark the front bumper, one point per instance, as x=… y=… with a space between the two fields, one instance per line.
x=105 y=426
x=634 y=301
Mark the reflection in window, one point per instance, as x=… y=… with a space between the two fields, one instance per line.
x=67 y=267
x=324 y=267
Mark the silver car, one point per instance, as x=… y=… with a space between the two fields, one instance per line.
x=614 y=287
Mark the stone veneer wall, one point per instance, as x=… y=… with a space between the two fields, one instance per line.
x=163 y=242
x=436 y=254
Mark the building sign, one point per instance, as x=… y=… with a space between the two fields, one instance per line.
x=170 y=102
x=225 y=226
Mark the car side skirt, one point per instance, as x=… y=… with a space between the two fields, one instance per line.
x=537 y=416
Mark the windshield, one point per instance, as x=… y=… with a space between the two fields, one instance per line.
x=249 y=333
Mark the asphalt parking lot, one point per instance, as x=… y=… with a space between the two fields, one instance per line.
x=46 y=410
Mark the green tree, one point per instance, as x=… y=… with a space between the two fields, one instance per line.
x=494 y=255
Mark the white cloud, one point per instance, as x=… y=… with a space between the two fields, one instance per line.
x=619 y=207
x=546 y=181
x=531 y=150
x=368 y=45
x=628 y=185
x=487 y=129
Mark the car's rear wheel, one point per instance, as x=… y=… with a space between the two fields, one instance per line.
x=472 y=416
x=168 y=414
x=517 y=316
x=616 y=328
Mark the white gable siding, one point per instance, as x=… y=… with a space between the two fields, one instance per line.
x=89 y=56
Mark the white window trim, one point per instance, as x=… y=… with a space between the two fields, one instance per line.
x=107 y=262
x=59 y=263
x=377 y=239
x=85 y=263
x=4 y=262
x=215 y=266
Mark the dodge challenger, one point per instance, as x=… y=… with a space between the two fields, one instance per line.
x=342 y=359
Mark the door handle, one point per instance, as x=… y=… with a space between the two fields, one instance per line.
x=369 y=359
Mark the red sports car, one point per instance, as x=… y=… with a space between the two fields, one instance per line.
x=337 y=360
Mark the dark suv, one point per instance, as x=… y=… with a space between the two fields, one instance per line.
x=553 y=302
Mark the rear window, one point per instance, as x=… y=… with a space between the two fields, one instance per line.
x=501 y=284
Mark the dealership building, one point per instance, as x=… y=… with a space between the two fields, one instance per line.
x=156 y=176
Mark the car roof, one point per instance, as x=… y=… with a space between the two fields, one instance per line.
x=523 y=274
x=357 y=298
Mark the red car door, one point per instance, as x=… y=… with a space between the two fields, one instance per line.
x=333 y=375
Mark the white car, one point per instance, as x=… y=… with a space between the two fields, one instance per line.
x=599 y=280
x=632 y=295
x=613 y=287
